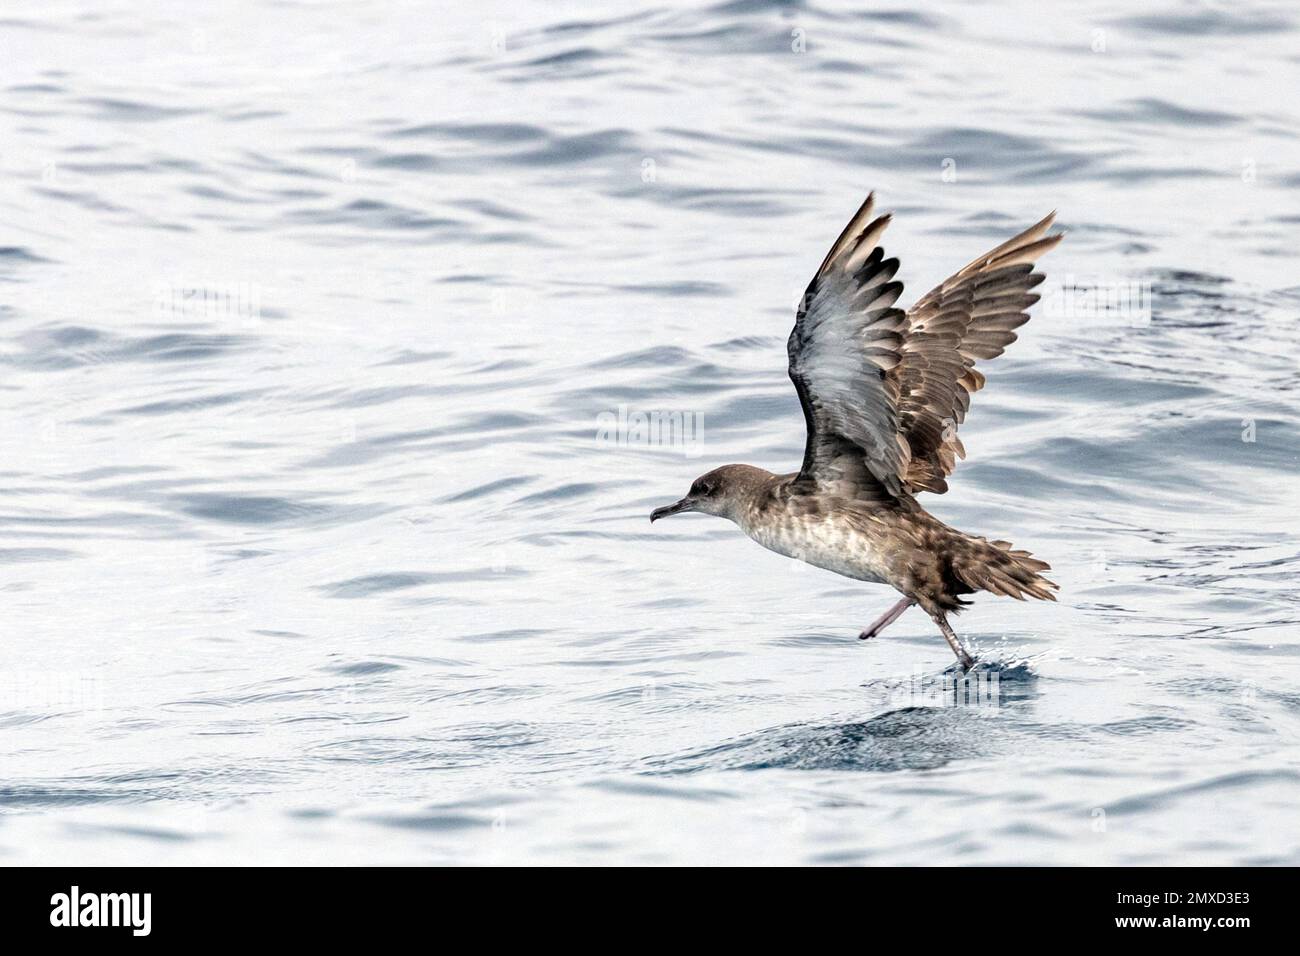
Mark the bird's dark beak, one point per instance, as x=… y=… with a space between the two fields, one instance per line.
x=678 y=506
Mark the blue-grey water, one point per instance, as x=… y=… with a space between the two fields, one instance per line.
x=328 y=332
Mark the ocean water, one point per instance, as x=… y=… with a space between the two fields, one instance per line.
x=345 y=348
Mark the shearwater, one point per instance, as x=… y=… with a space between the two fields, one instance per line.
x=883 y=391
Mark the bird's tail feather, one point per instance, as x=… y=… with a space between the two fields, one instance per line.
x=983 y=565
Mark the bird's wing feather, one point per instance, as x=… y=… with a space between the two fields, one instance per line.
x=883 y=390
x=969 y=317
x=845 y=342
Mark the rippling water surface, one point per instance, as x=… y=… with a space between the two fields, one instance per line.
x=322 y=537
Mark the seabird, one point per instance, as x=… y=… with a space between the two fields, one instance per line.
x=883 y=392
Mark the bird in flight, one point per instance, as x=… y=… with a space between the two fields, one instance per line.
x=883 y=391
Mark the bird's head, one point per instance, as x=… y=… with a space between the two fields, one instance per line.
x=720 y=492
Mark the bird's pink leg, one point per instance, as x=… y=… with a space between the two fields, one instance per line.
x=886 y=619
x=963 y=658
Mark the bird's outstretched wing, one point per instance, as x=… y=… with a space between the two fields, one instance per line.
x=884 y=390
x=968 y=317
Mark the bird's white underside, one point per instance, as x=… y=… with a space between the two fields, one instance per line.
x=824 y=541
